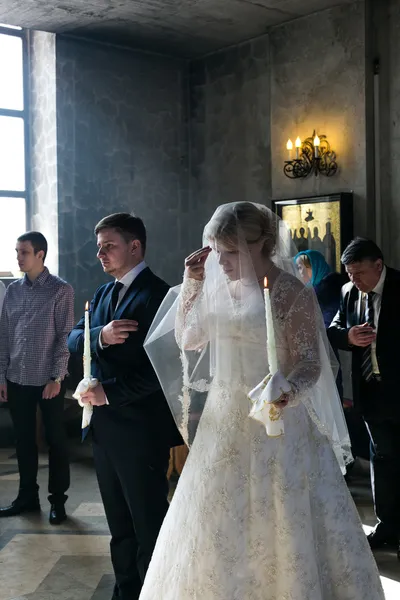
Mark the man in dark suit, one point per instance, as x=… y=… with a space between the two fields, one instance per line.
x=132 y=426
x=368 y=325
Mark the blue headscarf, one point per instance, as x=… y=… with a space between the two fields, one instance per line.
x=319 y=266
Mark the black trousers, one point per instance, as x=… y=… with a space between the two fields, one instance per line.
x=134 y=490
x=385 y=459
x=359 y=436
x=23 y=401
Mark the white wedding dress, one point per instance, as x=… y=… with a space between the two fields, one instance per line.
x=255 y=517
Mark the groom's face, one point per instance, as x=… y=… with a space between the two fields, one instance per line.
x=114 y=253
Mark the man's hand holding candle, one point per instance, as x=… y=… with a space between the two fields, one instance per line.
x=94 y=396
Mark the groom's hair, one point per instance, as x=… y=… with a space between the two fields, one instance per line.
x=129 y=226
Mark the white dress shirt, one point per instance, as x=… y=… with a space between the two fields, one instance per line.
x=126 y=280
x=129 y=278
x=377 y=303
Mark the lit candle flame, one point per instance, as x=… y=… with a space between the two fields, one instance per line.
x=265 y=282
x=317 y=141
x=289 y=145
x=298 y=142
x=87 y=306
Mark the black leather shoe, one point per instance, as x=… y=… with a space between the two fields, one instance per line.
x=381 y=537
x=398 y=550
x=18 y=507
x=57 y=514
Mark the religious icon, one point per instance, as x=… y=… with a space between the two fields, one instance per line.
x=323 y=223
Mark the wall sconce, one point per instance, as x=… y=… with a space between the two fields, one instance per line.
x=312 y=155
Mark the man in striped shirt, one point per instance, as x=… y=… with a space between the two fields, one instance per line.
x=36 y=319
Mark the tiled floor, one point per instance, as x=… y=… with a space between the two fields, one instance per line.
x=388 y=564
x=41 y=562
x=71 y=562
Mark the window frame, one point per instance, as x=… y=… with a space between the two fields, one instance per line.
x=22 y=114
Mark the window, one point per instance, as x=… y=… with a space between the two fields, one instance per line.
x=13 y=144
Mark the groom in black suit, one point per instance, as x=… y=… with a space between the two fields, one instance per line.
x=368 y=325
x=132 y=426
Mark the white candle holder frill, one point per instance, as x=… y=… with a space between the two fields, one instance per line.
x=264 y=396
x=84 y=386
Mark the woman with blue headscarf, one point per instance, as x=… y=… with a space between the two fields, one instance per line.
x=315 y=272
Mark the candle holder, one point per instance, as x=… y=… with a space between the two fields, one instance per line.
x=314 y=156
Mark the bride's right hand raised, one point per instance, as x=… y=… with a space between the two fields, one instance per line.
x=195 y=263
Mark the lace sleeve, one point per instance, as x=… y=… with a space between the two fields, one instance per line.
x=190 y=331
x=303 y=340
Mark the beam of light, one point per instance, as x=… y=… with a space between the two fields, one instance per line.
x=10 y=26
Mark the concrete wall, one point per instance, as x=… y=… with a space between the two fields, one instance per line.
x=44 y=201
x=318 y=82
x=247 y=101
x=172 y=140
x=390 y=143
x=122 y=146
x=230 y=128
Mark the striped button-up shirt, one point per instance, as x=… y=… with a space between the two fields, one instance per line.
x=35 y=322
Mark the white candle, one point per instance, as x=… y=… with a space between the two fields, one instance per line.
x=289 y=148
x=317 y=143
x=271 y=346
x=86 y=346
x=298 y=146
x=274 y=423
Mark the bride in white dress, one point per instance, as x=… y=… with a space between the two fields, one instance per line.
x=253 y=517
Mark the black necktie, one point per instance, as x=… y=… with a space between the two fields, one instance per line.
x=114 y=296
x=366 y=365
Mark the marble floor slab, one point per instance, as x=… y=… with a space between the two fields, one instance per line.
x=53 y=563
x=89 y=509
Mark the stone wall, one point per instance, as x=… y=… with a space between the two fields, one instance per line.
x=122 y=146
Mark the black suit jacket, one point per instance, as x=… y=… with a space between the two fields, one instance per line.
x=387 y=344
x=137 y=407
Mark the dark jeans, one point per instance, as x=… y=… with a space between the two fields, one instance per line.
x=134 y=490
x=385 y=459
x=23 y=401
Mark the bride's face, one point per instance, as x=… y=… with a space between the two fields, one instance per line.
x=236 y=263
x=229 y=262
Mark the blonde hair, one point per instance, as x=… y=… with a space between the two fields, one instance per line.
x=243 y=221
x=305 y=260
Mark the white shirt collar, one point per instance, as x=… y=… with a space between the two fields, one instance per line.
x=378 y=289
x=131 y=275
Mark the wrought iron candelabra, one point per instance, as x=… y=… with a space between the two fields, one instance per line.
x=313 y=155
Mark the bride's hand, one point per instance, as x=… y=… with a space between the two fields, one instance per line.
x=283 y=401
x=195 y=263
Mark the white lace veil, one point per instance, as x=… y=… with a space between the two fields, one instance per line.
x=212 y=334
